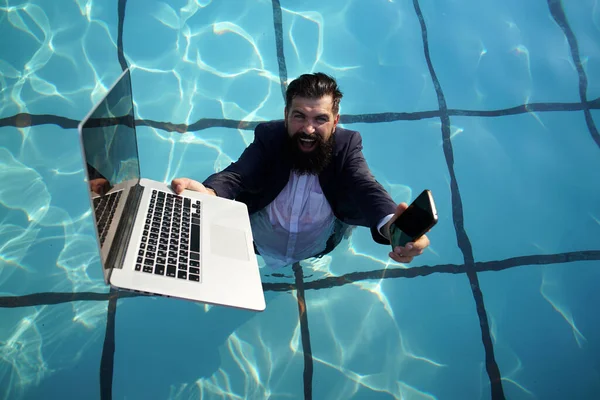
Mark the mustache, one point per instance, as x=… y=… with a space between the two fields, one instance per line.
x=303 y=135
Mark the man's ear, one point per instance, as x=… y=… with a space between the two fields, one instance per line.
x=335 y=121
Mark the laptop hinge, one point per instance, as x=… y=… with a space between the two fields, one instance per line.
x=118 y=249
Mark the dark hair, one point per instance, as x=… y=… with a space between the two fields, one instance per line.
x=314 y=86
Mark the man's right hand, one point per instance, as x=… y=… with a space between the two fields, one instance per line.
x=180 y=184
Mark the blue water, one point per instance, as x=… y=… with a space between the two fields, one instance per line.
x=516 y=190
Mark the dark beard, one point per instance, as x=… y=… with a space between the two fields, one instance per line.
x=316 y=161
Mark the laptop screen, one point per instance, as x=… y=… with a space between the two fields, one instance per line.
x=109 y=139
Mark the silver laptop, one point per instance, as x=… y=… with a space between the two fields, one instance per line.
x=189 y=246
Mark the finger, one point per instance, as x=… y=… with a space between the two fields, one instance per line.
x=404 y=252
x=401 y=259
x=400 y=209
x=196 y=186
x=418 y=245
x=179 y=185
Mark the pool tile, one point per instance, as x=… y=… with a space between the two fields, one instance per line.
x=45 y=349
x=180 y=350
x=47 y=231
x=49 y=72
x=406 y=338
x=212 y=61
x=373 y=49
x=525 y=184
x=545 y=329
x=584 y=19
x=494 y=55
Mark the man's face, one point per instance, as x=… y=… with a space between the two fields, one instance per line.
x=311 y=124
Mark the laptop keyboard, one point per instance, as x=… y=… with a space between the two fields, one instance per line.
x=171 y=240
x=104 y=208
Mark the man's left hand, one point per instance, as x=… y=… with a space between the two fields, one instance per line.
x=405 y=254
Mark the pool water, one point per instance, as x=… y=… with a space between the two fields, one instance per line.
x=492 y=105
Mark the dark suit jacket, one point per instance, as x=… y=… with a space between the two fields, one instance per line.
x=263 y=170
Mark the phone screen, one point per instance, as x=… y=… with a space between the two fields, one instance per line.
x=415 y=221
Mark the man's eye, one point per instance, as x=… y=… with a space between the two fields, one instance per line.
x=298 y=116
x=322 y=119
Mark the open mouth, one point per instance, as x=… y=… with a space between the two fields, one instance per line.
x=307 y=143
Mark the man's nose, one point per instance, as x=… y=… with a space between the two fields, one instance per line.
x=309 y=128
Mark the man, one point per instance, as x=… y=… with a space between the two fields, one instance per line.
x=305 y=181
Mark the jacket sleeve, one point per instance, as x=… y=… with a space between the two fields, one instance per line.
x=247 y=173
x=373 y=201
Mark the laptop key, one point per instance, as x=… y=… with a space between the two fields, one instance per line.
x=172 y=260
x=193 y=263
x=159 y=269
x=171 y=270
x=148 y=269
x=138 y=267
x=161 y=260
x=182 y=274
x=193 y=270
x=183 y=267
x=194 y=278
x=194 y=256
x=195 y=241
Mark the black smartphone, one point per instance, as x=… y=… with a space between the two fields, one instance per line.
x=415 y=221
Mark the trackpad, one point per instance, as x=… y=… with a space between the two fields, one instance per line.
x=228 y=242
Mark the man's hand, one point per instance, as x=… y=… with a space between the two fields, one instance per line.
x=412 y=249
x=180 y=184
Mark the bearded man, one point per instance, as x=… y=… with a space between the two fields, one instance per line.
x=305 y=181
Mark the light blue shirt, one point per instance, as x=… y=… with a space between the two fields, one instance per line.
x=297 y=224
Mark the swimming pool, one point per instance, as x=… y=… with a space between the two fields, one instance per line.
x=491 y=105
